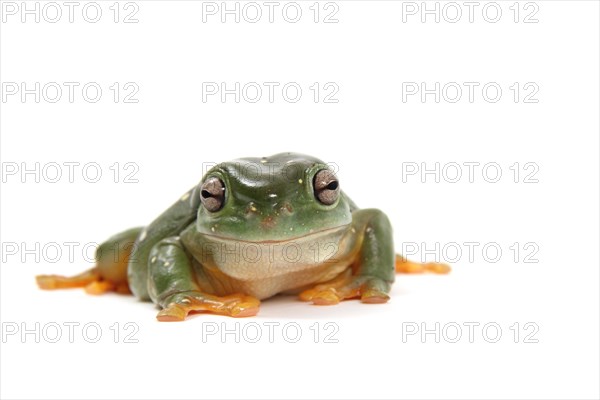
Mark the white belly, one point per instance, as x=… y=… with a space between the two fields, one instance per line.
x=263 y=269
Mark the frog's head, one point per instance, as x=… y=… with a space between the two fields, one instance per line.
x=276 y=198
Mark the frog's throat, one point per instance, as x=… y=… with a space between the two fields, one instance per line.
x=264 y=268
x=310 y=235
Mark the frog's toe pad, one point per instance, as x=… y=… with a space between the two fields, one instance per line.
x=46 y=282
x=171 y=313
x=410 y=267
x=244 y=311
x=438 y=268
x=99 y=287
x=246 y=307
x=374 y=297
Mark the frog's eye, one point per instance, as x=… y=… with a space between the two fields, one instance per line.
x=327 y=187
x=212 y=194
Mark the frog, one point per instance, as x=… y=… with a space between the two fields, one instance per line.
x=252 y=228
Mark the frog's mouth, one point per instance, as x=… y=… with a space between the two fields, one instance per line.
x=307 y=236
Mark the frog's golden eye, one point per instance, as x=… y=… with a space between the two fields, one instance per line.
x=212 y=194
x=327 y=187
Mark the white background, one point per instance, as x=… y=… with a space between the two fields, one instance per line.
x=369 y=133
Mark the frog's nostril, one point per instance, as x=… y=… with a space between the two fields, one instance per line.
x=286 y=208
x=268 y=222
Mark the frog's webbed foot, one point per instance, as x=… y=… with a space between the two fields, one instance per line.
x=409 y=267
x=179 y=305
x=369 y=289
x=51 y=282
x=91 y=280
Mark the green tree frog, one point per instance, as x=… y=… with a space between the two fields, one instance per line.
x=252 y=228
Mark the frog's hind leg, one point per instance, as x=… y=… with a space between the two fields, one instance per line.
x=110 y=272
x=410 y=267
x=92 y=280
x=84 y=279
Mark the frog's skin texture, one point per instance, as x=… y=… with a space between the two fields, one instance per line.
x=252 y=228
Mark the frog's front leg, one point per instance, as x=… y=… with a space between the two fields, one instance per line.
x=173 y=286
x=372 y=273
